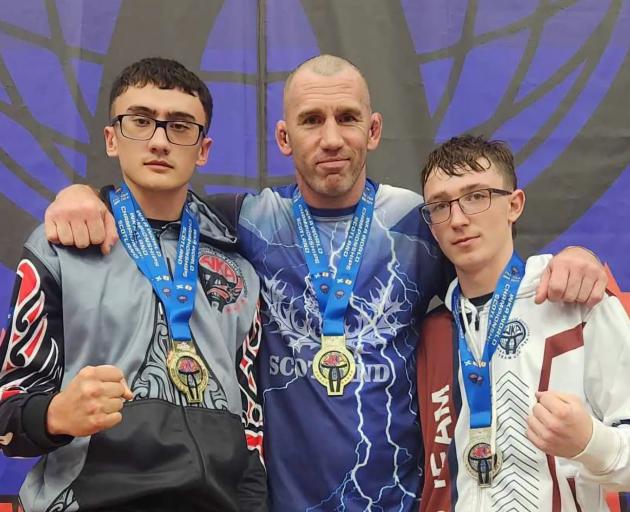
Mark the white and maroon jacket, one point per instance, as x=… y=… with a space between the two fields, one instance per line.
x=563 y=347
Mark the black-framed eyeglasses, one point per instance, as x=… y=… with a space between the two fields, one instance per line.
x=141 y=127
x=470 y=203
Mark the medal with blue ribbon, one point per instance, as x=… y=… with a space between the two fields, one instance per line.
x=186 y=368
x=480 y=458
x=334 y=365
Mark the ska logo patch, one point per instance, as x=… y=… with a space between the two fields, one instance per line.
x=221 y=278
x=513 y=339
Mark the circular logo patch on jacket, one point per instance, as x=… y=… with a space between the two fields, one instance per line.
x=221 y=278
x=513 y=339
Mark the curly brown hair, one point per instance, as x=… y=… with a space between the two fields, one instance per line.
x=466 y=153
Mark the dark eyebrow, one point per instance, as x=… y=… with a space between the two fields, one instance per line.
x=170 y=116
x=349 y=110
x=468 y=188
x=307 y=113
x=181 y=116
x=139 y=109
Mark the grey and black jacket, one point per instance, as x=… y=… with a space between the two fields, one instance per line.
x=73 y=308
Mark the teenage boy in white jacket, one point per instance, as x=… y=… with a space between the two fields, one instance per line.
x=524 y=406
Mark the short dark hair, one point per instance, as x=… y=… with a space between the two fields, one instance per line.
x=460 y=155
x=165 y=74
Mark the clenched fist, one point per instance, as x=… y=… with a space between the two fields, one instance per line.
x=573 y=275
x=559 y=425
x=91 y=402
x=79 y=218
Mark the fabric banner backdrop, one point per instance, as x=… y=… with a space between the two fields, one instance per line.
x=551 y=77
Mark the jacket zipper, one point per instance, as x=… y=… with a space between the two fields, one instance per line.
x=184 y=409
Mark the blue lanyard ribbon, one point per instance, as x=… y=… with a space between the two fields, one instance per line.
x=177 y=294
x=476 y=374
x=333 y=289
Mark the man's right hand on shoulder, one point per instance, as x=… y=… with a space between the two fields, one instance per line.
x=77 y=217
x=90 y=403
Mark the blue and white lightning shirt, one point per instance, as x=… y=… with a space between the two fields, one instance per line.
x=361 y=451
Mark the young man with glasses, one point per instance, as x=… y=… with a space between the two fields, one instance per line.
x=521 y=404
x=173 y=309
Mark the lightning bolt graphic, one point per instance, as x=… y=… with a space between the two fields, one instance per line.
x=382 y=470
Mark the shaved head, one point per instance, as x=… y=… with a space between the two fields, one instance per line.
x=325 y=65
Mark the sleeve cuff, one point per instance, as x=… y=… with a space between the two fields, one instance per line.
x=602 y=450
x=34 y=423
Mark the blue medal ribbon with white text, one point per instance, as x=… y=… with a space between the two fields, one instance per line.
x=177 y=294
x=333 y=288
x=477 y=381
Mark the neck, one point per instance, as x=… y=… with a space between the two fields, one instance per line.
x=483 y=278
x=327 y=202
x=164 y=205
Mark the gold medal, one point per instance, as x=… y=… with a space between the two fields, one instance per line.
x=333 y=365
x=187 y=370
x=480 y=462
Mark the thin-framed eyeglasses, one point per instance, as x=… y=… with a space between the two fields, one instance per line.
x=470 y=203
x=141 y=127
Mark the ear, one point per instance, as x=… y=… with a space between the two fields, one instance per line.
x=375 y=131
x=204 y=151
x=282 y=138
x=516 y=205
x=111 y=141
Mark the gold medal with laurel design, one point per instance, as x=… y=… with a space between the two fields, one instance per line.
x=333 y=365
x=187 y=371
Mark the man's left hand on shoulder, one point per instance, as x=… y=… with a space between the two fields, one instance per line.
x=559 y=424
x=573 y=275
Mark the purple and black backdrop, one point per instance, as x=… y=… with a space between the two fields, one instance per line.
x=552 y=77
